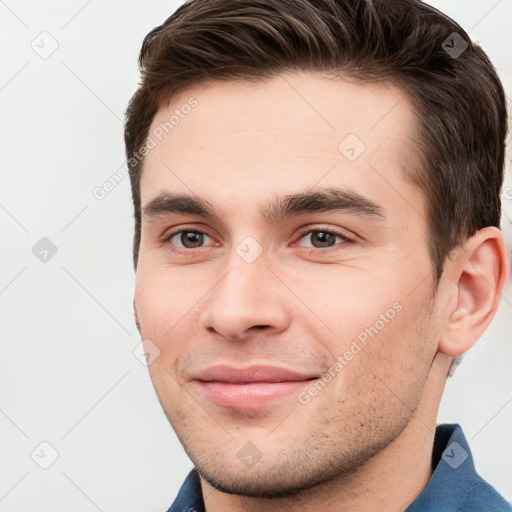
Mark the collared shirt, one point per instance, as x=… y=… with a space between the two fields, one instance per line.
x=454 y=485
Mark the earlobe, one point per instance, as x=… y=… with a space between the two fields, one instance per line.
x=478 y=278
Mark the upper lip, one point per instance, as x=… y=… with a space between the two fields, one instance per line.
x=254 y=373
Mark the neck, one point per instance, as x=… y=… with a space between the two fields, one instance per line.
x=391 y=480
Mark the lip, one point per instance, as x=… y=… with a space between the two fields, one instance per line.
x=250 y=387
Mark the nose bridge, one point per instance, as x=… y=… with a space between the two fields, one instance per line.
x=245 y=286
x=245 y=296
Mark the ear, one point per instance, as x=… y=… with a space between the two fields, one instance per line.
x=477 y=275
x=137 y=321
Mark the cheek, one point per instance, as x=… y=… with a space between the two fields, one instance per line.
x=169 y=302
x=165 y=299
x=348 y=301
x=162 y=310
x=393 y=354
x=372 y=319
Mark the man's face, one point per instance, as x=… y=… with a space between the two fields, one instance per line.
x=295 y=334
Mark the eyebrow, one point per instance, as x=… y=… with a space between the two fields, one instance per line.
x=323 y=200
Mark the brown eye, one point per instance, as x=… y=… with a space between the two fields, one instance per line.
x=188 y=239
x=322 y=239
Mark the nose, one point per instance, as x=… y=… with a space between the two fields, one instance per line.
x=247 y=299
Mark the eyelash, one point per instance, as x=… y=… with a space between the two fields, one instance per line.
x=345 y=239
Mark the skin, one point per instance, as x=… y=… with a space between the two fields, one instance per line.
x=364 y=442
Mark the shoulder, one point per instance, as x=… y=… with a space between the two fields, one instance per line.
x=484 y=496
x=455 y=484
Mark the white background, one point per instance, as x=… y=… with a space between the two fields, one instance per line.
x=68 y=375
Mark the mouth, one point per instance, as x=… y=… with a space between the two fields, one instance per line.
x=252 y=387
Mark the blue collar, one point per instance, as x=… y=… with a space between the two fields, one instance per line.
x=454 y=486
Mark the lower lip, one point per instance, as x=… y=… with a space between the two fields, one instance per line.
x=250 y=395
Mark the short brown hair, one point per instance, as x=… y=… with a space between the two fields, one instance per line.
x=457 y=95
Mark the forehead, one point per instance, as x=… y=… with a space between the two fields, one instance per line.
x=283 y=134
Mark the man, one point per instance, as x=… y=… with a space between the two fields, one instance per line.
x=316 y=190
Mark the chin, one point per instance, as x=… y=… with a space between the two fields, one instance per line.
x=264 y=483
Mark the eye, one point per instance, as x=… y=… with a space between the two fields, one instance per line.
x=188 y=239
x=323 y=238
